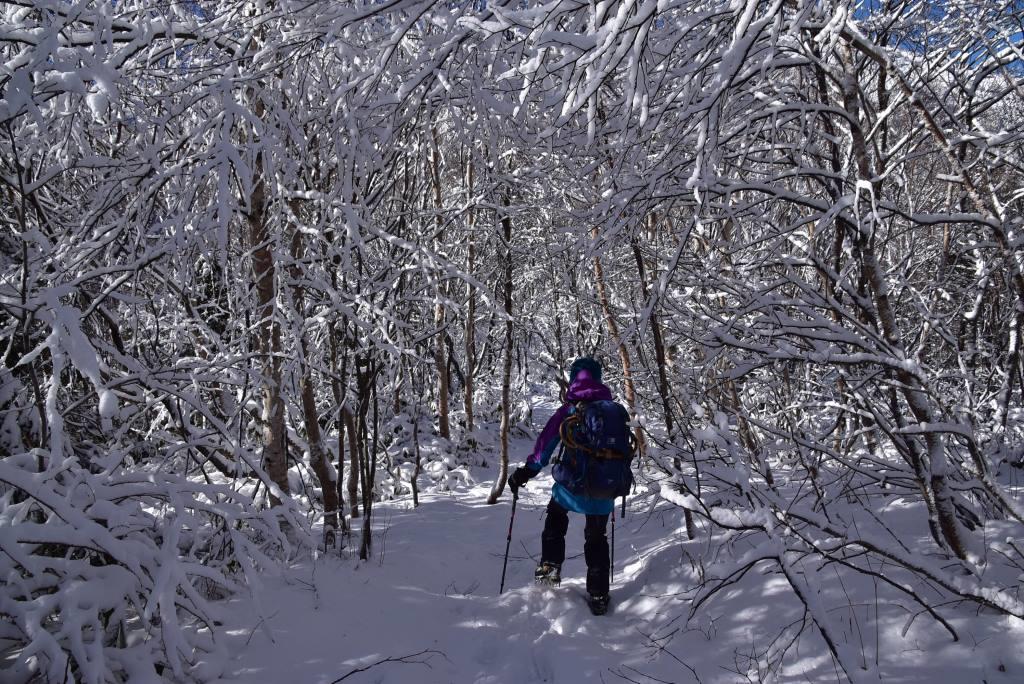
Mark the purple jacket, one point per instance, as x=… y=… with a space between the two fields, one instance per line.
x=584 y=387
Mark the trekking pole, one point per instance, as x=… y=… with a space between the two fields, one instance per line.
x=611 y=562
x=508 y=542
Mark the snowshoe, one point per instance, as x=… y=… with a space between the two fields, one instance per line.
x=599 y=604
x=548 y=573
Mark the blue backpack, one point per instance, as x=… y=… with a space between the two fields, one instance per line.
x=598 y=448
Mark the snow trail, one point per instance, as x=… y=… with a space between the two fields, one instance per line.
x=432 y=584
x=427 y=605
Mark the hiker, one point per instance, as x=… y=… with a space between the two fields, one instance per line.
x=571 y=492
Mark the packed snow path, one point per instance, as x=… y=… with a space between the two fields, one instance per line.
x=429 y=595
x=432 y=585
x=432 y=589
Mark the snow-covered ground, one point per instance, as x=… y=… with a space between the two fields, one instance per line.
x=433 y=586
x=430 y=596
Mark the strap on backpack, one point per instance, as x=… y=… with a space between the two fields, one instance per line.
x=566 y=433
x=566 y=430
x=561 y=452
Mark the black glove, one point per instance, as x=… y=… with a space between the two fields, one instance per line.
x=520 y=476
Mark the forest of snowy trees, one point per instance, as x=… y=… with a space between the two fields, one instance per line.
x=253 y=253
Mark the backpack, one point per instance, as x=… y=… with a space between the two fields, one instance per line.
x=598 y=448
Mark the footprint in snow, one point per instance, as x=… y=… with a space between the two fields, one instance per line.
x=542 y=668
x=488 y=653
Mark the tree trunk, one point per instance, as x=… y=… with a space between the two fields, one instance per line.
x=506 y=369
x=417 y=469
x=440 y=360
x=311 y=421
x=657 y=338
x=337 y=385
x=470 y=307
x=353 y=466
x=368 y=455
x=659 y=356
x=268 y=338
x=917 y=399
x=913 y=391
x=613 y=332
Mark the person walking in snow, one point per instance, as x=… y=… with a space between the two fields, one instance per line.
x=578 y=487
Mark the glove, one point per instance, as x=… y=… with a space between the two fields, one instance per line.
x=520 y=476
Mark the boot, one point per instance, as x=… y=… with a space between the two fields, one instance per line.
x=599 y=604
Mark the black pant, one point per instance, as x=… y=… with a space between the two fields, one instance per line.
x=595 y=545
